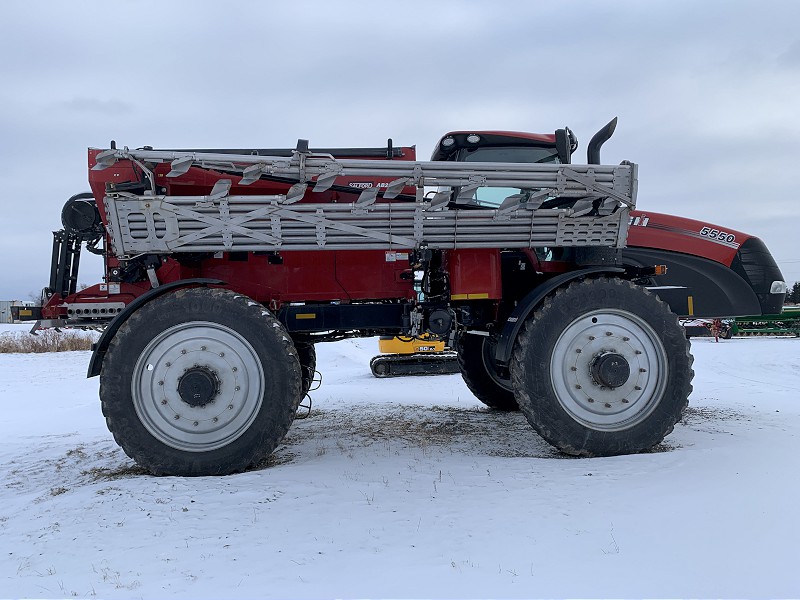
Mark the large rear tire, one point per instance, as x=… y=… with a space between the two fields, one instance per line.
x=480 y=372
x=200 y=382
x=602 y=368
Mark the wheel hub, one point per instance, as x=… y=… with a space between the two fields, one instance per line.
x=204 y=358
x=198 y=386
x=610 y=370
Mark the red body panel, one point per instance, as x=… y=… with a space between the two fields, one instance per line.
x=475 y=274
x=373 y=274
x=698 y=238
x=55 y=307
x=305 y=276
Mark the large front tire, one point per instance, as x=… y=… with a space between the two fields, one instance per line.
x=602 y=368
x=200 y=382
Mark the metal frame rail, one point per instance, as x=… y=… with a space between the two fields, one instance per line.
x=594 y=202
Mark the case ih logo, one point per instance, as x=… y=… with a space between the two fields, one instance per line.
x=639 y=221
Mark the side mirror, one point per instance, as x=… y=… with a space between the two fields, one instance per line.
x=564 y=145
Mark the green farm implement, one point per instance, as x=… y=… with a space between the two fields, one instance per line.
x=786 y=323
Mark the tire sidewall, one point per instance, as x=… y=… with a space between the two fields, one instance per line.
x=201 y=305
x=537 y=397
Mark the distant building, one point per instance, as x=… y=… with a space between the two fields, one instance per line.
x=18 y=310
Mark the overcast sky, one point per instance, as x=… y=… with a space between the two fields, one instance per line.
x=707 y=94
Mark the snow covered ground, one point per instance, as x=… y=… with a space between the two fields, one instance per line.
x=408 y=488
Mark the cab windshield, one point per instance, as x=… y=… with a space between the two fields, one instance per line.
x=492 y=197
x=509 y=154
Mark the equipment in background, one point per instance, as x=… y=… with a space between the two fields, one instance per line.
x=708 y=327
x=413 y=356
x=785 y=323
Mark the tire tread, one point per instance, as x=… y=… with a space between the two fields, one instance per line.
x=544 y=417
x=131 y=436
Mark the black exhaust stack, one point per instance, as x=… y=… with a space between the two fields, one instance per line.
x=600 y=138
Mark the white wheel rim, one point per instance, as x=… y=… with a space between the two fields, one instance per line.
x=596 y=406
x=217 y=349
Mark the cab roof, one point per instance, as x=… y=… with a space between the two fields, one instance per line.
x=490 y=138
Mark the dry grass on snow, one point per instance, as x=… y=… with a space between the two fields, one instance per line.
x=46 y=341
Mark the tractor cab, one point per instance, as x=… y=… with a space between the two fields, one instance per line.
x=505 y=147
x=493 y=147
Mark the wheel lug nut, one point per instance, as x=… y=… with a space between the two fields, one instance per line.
x=638 y=352
x=642 y=370
x=591 y=337
x=234 y=369
x=169 y=364
x=237 y=388
x=230 y=406
x=577 y=386
x=160 y=383
x=609 y=333
x=164 y=401
x=176 y=417
x=573 y=368
x=607 y=405
x=203 y=348
x=626 y=339
x=624 y=401
x=578 y=350
x=222 y=354
x=590 y=399
x=215 y=419
x=196 y=423
x=183 y=351
x=636 y=387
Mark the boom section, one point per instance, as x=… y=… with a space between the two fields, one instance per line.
x=549 y=205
